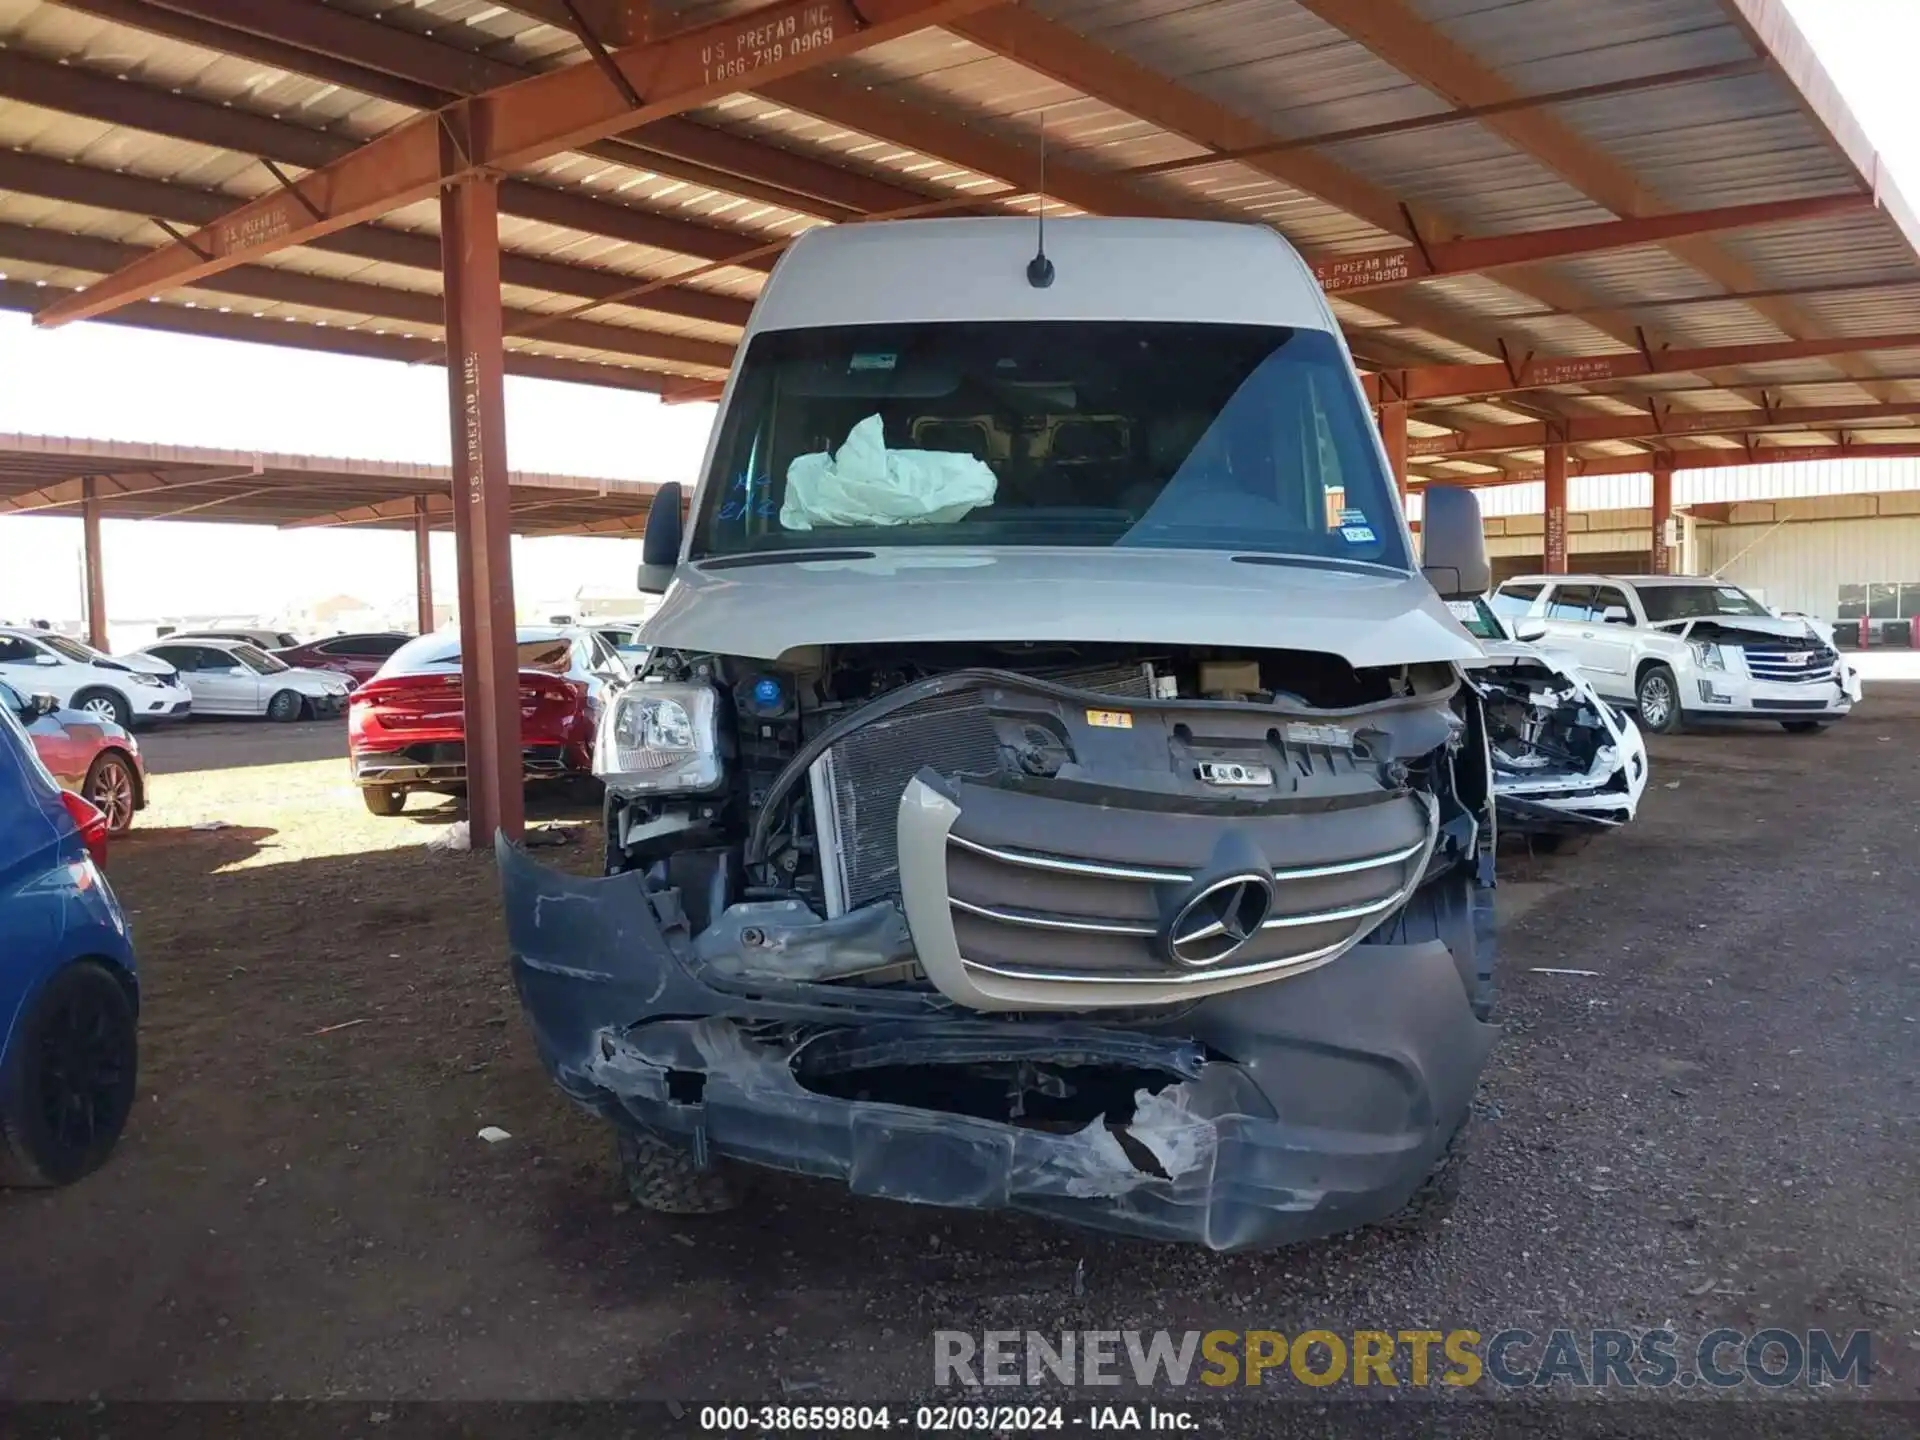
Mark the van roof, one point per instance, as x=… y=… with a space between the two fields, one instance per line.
x=1104 y=269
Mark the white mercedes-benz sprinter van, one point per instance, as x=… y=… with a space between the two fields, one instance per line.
x=1052 y=785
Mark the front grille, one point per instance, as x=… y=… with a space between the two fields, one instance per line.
x=1029 y=915
x=856 y=786
x=1790 y=666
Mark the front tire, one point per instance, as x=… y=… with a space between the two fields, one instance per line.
x=1658 y=696
x=665 y=1179
x=70 y=1078
x=104 y=705
x=384 y=799
x=1803 y=727
x=285 y=707
x=111 y=786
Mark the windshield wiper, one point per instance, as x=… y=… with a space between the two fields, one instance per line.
x=780 y=557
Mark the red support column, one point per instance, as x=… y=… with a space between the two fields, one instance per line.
x=1556 y=510
x=1393 y=434
x=96 y=578
x=1662 y=513
x=422 y=568
x=489 y=656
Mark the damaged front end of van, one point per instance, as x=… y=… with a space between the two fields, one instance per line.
x=1053 y=785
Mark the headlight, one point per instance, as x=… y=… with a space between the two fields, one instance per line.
x=141 y=677
x=659 y=737
x=1707 y=654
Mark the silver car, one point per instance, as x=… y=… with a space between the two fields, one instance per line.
x=233 y=677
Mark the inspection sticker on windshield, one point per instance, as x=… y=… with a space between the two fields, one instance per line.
x=1357 y=534
x=1464 y=609
x=1110 y=719
x=884 y=360
x=1353 y=517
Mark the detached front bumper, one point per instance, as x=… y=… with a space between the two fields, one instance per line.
x=1274 y=1114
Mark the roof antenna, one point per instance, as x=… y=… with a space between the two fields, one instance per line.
x=1040 y=268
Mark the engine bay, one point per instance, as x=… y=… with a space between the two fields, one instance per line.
x=815 y=749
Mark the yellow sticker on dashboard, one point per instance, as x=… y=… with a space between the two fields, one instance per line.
x=1110 y=719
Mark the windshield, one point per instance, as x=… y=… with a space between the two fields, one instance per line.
x=73 y=650
x=257 y=660
x=1240 y=438
x=1697 y=602
x=1478 y=618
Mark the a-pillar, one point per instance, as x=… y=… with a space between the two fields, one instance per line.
x=1662 y=558
x=489 y=657
x=1393 y=435
x=422 y=567
x=96 y=577
x=1556 y=511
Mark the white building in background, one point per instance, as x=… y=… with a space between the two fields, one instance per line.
x=1838 y=539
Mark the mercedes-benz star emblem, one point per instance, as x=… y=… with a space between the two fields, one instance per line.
x=1215 y=923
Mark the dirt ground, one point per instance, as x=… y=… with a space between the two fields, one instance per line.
x=1716 y=1128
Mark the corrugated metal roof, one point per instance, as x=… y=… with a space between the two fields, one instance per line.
x=1701 y=116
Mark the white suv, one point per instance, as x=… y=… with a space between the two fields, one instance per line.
x=1684 y=648
x=39 y=662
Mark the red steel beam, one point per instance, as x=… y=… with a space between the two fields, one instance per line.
x=518 y=125
x=1435 y=382
x=1697 y=459
x=336 y=340
x=1583 y=430
x=355 y=297
x=1556 y=510
x=1661 y=559
x=1393 y=435
x=96 y=577
x=1410 y=264
x=50 y=179
x=422 y=566
x=483 y=538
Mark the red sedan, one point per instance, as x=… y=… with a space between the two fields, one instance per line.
x=90 y=756
x=406 y=726
x=358 y=657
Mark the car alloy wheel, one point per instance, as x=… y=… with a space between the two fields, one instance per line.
x=83 y=1081
x=101 y=707
x=1656 y=701
x=110 y=788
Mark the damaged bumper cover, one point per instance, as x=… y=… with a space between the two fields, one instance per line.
x=1270 y=1115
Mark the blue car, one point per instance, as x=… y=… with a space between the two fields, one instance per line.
x=69 y=1001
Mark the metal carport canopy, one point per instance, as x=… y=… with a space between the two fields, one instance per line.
x=1650 y=231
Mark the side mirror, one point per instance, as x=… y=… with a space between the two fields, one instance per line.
x=1616 y=615
x=1454 y=543
x=1527 y=632
x=660 y=546
x=42 y=704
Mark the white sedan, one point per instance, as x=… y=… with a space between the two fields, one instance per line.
x=39 y=662
x=232 y=677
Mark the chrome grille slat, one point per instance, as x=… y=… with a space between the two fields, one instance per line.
x=1037 y=921
x=1063 y=866
x=1362 y=916
x=1770 y=663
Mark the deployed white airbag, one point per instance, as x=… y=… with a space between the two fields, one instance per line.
x=867 y=484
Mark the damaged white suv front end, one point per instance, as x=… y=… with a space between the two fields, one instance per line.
x=1565 y=762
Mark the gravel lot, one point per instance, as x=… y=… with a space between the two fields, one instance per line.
x=1718 y=1128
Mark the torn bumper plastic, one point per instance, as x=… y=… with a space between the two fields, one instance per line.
x=1292 y=1110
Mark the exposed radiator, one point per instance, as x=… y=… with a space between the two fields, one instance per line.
x=856 y=786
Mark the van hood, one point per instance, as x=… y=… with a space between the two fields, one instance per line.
x=763 y=606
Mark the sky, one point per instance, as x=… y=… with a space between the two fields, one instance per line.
x=108 y=382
